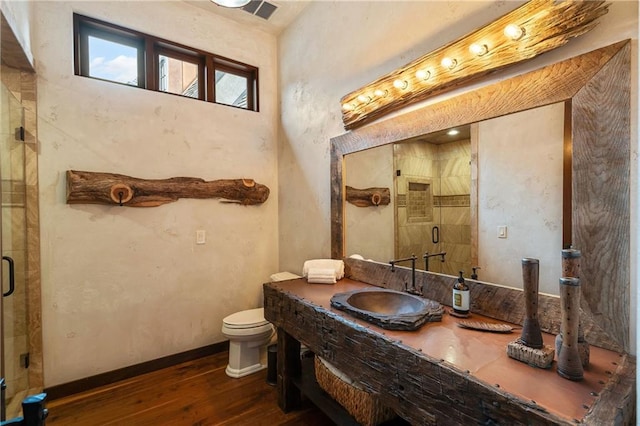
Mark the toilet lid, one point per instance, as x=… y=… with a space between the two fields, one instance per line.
x=246 y=319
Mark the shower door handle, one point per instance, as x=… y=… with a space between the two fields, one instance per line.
x=435 y=235
x=12 y=276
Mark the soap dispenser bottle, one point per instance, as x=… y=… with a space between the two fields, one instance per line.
x=461 y=296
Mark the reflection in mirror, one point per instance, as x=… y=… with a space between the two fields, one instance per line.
x=370 y=230
x=516 y=199
x=520 y=187
x=432 y=187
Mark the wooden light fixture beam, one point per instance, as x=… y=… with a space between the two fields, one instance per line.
x=538 y=26
x=111 y=188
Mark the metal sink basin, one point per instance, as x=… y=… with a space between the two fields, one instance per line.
x=389 y=309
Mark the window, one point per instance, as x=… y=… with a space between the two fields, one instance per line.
x=231 y=89
x=112 y=60
x=108 y=52
x=180 y=75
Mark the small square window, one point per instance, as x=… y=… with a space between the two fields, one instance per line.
x=109 y=60
x=231 y=89
x=178 y=77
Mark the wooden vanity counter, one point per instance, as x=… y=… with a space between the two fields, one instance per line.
x=441 y=373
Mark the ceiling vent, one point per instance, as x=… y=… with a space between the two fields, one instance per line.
x=263 y=9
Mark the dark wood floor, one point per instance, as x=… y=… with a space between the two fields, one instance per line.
x=193 y=393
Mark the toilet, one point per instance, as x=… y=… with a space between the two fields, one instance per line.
x=249 y=334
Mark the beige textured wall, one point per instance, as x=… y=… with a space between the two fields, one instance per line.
x=336 y=47
x=520 y=160
x=126 y=285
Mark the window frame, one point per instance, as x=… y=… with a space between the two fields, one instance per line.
x=149 y=50
x=84 y=28
x=184 y=57
x=239 y=73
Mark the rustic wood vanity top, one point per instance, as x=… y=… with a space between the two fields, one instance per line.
x=443 y=373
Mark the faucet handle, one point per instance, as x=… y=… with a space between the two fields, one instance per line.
x=474 y=274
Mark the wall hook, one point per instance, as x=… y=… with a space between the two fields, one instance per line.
x=120 y=195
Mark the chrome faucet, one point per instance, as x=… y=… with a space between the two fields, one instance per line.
x=427 y=256
x=413 y=289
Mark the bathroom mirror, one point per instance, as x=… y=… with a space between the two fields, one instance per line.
x=518 y=162
x=596 y=86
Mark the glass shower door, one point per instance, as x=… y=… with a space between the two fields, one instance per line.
x=14 y=349
x=433 y=215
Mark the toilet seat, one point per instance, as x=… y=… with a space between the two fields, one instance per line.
x=252 y=318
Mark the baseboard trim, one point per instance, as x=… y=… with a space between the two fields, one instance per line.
x=88 y=383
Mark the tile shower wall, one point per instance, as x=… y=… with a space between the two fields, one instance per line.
x=455 y=218
x=415 y=162
x=444 y=172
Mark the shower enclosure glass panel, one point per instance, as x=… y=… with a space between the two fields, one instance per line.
x=432 y=184
x=15 y=351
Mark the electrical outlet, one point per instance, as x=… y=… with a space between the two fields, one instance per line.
x=502 y=231
x=201 y=236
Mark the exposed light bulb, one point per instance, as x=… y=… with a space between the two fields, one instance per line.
x=400 y=84
x=449 y=63
x=364 y=99
x=478 y=49
x=453 y=132
x=423 y=74
x=513 y=31
x=380 y=93
x=348 y=106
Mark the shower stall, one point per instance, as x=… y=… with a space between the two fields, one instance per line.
x=433 y=216
x=14 y=345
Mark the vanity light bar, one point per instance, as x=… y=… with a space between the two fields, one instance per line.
x=534 y=28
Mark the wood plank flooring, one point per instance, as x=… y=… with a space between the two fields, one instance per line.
x=192 y=393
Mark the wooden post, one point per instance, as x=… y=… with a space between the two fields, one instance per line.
x=289 y=366
x=569 y=363
x=529 y=347
x=571 y=269
x=531 y=333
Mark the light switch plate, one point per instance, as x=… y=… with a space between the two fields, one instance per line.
x=502 y=231
x=201 y=236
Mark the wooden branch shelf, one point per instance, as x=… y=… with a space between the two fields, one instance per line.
x=112 y=188
x=368 y=197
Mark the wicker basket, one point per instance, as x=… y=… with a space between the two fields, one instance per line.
x=363 y=406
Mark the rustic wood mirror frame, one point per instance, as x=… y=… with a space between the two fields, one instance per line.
x=598 y=87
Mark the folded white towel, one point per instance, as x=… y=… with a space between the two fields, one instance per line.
x=321 y=276
x=283 y=276
x=336 y=265
x=319 y=280
x=321 y=273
